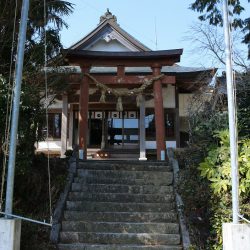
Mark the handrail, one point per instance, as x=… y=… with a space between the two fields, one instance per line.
x=179 y=202
x=243 y=218
x=27 y=219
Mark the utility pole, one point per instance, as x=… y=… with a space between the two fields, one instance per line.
x=232 y=115
x=16 y=104
x=10 y=229
x=235 y=234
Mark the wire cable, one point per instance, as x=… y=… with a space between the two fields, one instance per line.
x=10 y=89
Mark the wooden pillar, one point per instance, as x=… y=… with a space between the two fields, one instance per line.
x=142 y=130
x=177 y=117
x=83 y=111
x=71 y=125
x=159 y=113
x=64 y=125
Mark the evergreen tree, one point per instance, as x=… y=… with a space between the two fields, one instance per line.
x=32 y=115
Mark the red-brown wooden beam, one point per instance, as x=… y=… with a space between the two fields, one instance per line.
x=109 y=62
x=106 y=106
x=159 y=114
x=123 y=79
x=109 y=99
x=83 y=112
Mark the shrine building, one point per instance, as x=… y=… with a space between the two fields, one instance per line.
x=122 y=96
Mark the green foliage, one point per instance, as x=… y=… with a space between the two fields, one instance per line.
x=203 y=124
x=32 y=117
x=32 y=198
x=195 y=194
x=216 y=168
x=32 y=113
x=211 y=11
x=210 y=139
x=31 y=182
x=192 y=247
x=34 y=49
x=3 y=103
x=243 y=94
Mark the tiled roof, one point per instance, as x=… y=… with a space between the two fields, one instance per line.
x=147 y=70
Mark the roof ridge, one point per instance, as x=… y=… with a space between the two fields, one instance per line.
x=109 y=19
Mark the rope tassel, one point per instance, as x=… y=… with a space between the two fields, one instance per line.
x=103 y=97
x=128 y=92
x=119 y=106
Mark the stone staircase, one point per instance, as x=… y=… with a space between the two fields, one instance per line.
x=115 y=153
x=121 y=205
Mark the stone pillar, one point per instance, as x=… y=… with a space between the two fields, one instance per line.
x=64 y=125
x=83 y=112
x=71 y=125
x=123 y=130
x=142 y=130
x=103 y=131
x=159 y=113
x=106 y=127
x=236 y=236
x=10 y=234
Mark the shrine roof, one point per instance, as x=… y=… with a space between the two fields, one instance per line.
x=108 y=28
x=127 y=59
x=123 y=54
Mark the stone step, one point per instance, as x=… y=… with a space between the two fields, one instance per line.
x=131 y=156
x=116 y=188
x=122 y=174
x=122 y=198
x=154 y=180
x=120 y=227
x=164 y=217
x=120 y=238
x=119 y=207
x=82 y=246
x=116 y=205
x=130 y=166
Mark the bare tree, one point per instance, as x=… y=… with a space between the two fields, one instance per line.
x=208 y=40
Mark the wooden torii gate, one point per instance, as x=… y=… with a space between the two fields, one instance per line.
x=153 y=59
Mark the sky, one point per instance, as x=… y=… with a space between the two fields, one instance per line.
x=159 y=24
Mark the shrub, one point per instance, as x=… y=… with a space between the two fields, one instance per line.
x=216 y=168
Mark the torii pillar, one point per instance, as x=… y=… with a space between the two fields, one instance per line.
x=83 y=111
x=159 y=113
